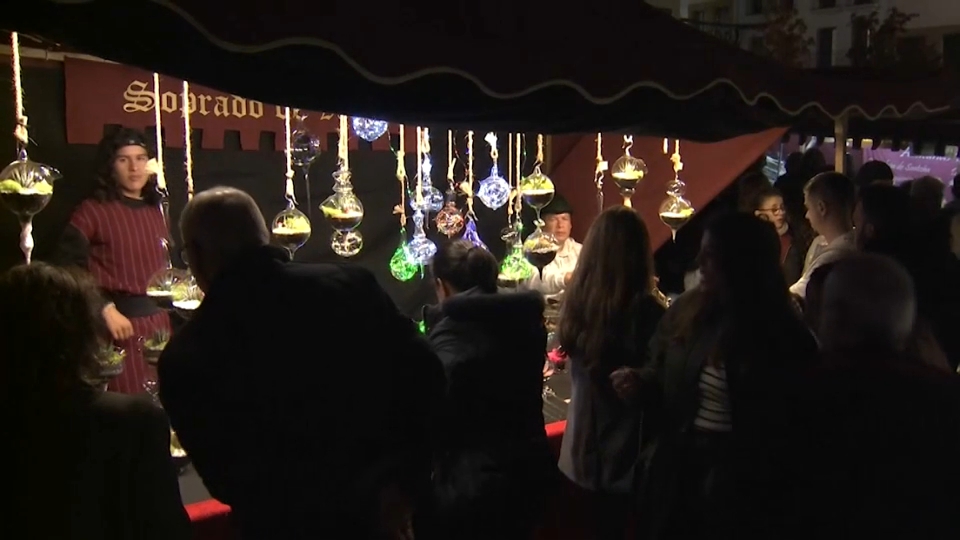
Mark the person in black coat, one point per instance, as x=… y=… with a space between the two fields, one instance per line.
x=494 y=466
x=81 y=463
x=301 y=394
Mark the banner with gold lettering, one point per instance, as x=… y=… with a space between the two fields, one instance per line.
x=101 y=93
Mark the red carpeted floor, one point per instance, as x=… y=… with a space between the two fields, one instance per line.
x=211 y=520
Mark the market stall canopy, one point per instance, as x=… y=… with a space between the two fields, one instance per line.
x=519 y=66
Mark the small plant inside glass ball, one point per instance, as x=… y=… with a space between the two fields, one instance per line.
x=291 y=229
x=346 y=243
x=627 y=172
x=27 y=186
x=537 y=190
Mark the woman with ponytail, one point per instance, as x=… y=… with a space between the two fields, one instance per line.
x=493 y=463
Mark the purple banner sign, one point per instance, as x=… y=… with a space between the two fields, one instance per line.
x=907 y=167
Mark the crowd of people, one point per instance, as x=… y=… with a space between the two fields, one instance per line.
x=804 y=387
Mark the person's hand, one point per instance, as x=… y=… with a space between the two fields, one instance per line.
x=548 y=369
x=567 y=277
x=626 y=382
x=120 y=327
x=396 y=514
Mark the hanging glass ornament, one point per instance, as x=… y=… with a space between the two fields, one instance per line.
x=304 y=145
x=402 y=266
x=540 y=248
x=494 y=190
x=432 y=199
x=421 y=248
x=161 y=284
x=471 y=235
x=449 y=220
x=537 y=191
x=628 y=172
x=369 y=129
x=110 y=363
x=514 y=269
x=187 y=296
x=675 y=211
x=291 y=229
x=25 y=189
x=154 y=345
x=344 y=211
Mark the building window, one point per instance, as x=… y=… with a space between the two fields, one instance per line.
x=864 y=2
x=860 y=38
x=722 y=15
x=755 y=7
x=951 y=51
x=825 y=47
x=824 y=4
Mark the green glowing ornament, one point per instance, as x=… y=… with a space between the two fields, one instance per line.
x=402 y=266
x=422 y=326
x=515 y=267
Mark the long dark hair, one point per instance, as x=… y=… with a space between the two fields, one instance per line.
x=106 y=188
x=614 y=273
x=465 y=266
x=54 y=331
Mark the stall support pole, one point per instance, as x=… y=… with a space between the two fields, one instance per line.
x=840 y=144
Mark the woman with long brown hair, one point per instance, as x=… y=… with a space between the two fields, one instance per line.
x=609 y=312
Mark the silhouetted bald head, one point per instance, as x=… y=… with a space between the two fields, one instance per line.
x=217 y=226
x=868 y=306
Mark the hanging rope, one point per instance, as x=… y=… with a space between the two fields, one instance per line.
x=158 y=133
x=20 y=132
x=401 y=210
x=343 y=148
x=601 y=168
x=469 y=180
x=187 y=142
x=518 y=201
x=288 y=153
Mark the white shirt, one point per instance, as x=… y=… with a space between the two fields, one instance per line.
x=820 y=253
x=552 y=282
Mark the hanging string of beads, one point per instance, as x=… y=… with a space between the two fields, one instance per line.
x=402 y=265
x=25 y=186
x=291 y=228
x=628 y=171
x=343 y=209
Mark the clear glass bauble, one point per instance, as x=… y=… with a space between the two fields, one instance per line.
x=628 y=172
x=27 y=186
x=153 y=346
x=537 y=190
x=402 y=265
x=369 y=129
x=162 y=285
x=343 y=209
x=471 y=235
x=187 y=296
x=449 y=220
x=432 y=199
x=291 y=229
x=304 y=146
x=540 y=248
x=346 y=243
x=494 y=191
x=110 y=363
x=421 y=250
x=675 y=212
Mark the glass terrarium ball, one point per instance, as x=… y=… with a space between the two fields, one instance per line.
x=675 y=212
x=153 y=346
x=432 y=199
x=187 y=296
x=449 y=220
x=369 y=129
x=494 y=191
x=110 y=360
x=343 y=210
x=540 y=248
x=627 y=172
x=421 y=250
x=304 y=146
x=26 y=187
x=162 y=284
x=402 y=266
x=291 y=229
x=514 y=269
x=537 y=190
x=346 y=243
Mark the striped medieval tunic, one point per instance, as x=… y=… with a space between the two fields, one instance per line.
x=119 y=242
x=713 y=413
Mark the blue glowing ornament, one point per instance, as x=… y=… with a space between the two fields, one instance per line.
x=494 y=190
x=420 y=248
x=471 y=235
x=369 y=129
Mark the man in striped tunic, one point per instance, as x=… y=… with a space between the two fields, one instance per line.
x=117 y=235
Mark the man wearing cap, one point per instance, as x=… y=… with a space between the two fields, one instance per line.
x=116 y=235
x=556 y=275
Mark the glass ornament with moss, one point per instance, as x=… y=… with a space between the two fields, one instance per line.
x=162 y=282
x=402 y=265
x=344 y=211
x=187 y=297
x=515 y=269
x=540 y=248
x=291 y=229
x=154 y=345
x=675 y=210
x=627 y=173
x=110 y=361
x=27 y=186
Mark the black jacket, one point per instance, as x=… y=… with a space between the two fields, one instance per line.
x=92 y=465
x=299 y=391
x=493 y=460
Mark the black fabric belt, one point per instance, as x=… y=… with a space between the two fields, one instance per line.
x=134 y=306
